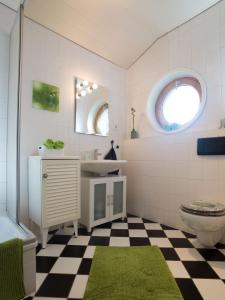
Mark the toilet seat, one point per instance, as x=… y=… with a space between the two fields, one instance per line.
x=204 y=208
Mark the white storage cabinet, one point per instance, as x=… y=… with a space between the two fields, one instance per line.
x=54 y=192
x=103 y=199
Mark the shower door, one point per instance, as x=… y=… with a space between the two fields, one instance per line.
x=13 y=131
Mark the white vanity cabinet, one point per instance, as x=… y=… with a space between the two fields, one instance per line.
x=54 y=192
x=103 y=199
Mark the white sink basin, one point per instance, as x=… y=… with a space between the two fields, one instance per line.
x=101 y=167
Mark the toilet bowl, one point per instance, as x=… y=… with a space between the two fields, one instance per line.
x=207 y=219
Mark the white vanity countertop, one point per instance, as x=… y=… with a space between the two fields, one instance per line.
x=101 y=167
x=54 y=157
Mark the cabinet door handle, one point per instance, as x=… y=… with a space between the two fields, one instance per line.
x=112 y=200
x=45 y=175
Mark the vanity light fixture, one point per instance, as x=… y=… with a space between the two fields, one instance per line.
x=85 y=87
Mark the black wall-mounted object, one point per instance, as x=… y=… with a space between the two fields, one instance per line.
x=112 y=156
x=211 y=146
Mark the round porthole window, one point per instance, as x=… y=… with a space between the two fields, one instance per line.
x=176 y=101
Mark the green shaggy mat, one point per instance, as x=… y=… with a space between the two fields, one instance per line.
x=130 y=273
x=11 y=270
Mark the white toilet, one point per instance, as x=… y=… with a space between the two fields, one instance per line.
x=206 y=218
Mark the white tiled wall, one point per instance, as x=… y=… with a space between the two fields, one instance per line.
x=164 y=170
x=49 y=58
x=4 y=65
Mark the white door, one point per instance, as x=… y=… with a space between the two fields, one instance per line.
x=100 y=201
x=118 y=197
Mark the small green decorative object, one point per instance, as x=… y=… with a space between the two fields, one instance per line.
x=56 y=145
x=133 y=133
x=59 y=145
x=49 y=143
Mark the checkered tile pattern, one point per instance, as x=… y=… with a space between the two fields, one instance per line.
x=63 y=267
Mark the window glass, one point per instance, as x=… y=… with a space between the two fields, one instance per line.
x=178 y=103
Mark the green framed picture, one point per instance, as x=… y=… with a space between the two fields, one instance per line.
x=45 y=96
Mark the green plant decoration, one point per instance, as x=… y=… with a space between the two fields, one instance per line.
x=49 y=144
x=59 y=145
x=45 y=96
x=56 y=145
x=133 y=131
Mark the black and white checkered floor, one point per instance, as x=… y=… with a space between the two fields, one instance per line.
x=63 y=267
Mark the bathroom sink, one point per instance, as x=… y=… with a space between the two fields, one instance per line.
x=101 y=167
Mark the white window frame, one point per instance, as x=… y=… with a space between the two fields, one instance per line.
x=158 y=89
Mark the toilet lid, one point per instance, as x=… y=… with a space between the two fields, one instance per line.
x=204 y=208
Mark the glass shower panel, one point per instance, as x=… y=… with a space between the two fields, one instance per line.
x=4 y=70
x=12 y=164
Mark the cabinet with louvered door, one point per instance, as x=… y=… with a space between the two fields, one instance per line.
x=54 y=192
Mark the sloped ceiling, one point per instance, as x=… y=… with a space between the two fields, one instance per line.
x=118 y=30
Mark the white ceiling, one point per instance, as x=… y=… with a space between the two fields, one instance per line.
x=118 y=30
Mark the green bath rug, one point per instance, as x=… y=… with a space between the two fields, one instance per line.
x=130 y=273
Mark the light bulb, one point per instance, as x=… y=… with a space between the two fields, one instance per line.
x=77 y=96
x=85 y=83
x=90 y=89
x=83 y=93
x=78 y=86
x=95 y=86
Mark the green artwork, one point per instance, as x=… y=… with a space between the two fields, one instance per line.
x=45 y=96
